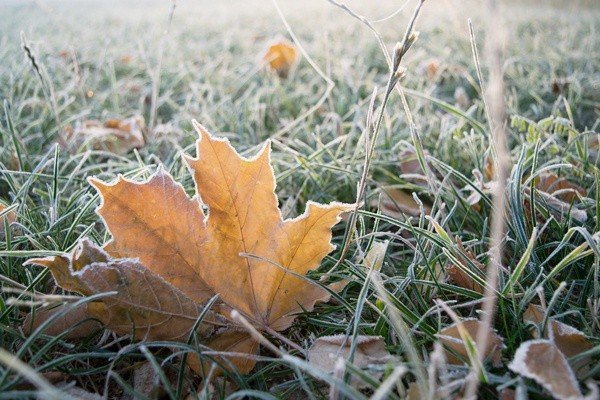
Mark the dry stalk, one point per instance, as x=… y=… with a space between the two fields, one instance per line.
x=495 y=100
x=396 y=73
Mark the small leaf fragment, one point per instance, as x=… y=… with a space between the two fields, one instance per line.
x=75 y=323
x=374 y=258
x=9 y=216
x=370 y=350
x=558 y=187
x=456 y=351
x=232 y=341
x=395 y=203
x=543 y=362
x=458 y=276
x=117 y=136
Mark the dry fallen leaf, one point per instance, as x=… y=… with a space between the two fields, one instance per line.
x=558 y=194
x=113 y=135
x=281 y=57
x=543 y=362
x=370 y=350
x=458 y=276
x=560 y=188
x=410 y=168
x=76 y=322
x=569 y=340
x=396 y=203
x=242 y=249
x=452 y=340
x=557 y=208
x=10 y=217
x=144 y=305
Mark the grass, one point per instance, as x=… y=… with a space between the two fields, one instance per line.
x=97 y=60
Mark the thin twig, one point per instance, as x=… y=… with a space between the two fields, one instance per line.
x=495 y=96
x=396 y=73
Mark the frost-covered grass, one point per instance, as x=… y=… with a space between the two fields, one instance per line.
x=111 y=59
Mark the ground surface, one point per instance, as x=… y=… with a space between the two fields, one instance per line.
x=117 y=59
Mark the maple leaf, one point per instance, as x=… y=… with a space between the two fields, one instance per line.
x=143 y=304
x=242 y=249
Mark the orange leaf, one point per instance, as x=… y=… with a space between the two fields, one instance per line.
x=168 y=257
x=281 y=57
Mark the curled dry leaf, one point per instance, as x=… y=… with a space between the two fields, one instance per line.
x=560 y=188
x=543 y=362
x=398 y=203
x=569 y=340
x=74 y=323
x=557 y=208
x=9 y=216
x=456 y=351
x=242 y=250
x=144 y=305
x=281 y=57
x=113 y=135
x=559 y=195
x=410 y=168
x=458 y=276
x=370 y=350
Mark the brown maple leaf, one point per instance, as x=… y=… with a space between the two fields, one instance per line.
x=242 y=249
x=144 y=304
